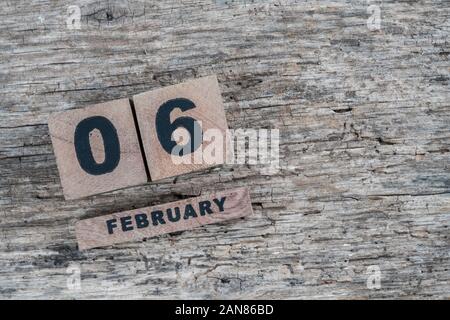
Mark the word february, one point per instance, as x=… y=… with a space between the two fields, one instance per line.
x=171 y=217
x=158 y=217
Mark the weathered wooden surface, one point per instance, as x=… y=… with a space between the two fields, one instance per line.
x=365 y=147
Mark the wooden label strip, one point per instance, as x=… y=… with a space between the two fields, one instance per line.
x=165 y=218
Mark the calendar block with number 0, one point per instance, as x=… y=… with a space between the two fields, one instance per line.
x=97 y=149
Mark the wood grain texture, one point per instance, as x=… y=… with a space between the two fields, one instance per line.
x=364 y=123
x=170 y=217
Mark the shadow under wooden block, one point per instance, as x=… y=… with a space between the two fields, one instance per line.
x=97 y=149
x=182 y=115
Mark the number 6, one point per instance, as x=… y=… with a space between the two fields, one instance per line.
x=165 y=129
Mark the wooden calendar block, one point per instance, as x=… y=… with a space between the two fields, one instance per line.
x=165 y=218
x=183 y=127
x=97 y=149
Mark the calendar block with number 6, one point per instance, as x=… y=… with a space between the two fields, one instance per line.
x=177 y=124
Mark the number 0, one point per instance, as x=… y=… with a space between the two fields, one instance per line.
x=83 y=146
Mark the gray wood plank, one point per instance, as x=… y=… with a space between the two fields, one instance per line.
x=364 y=123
